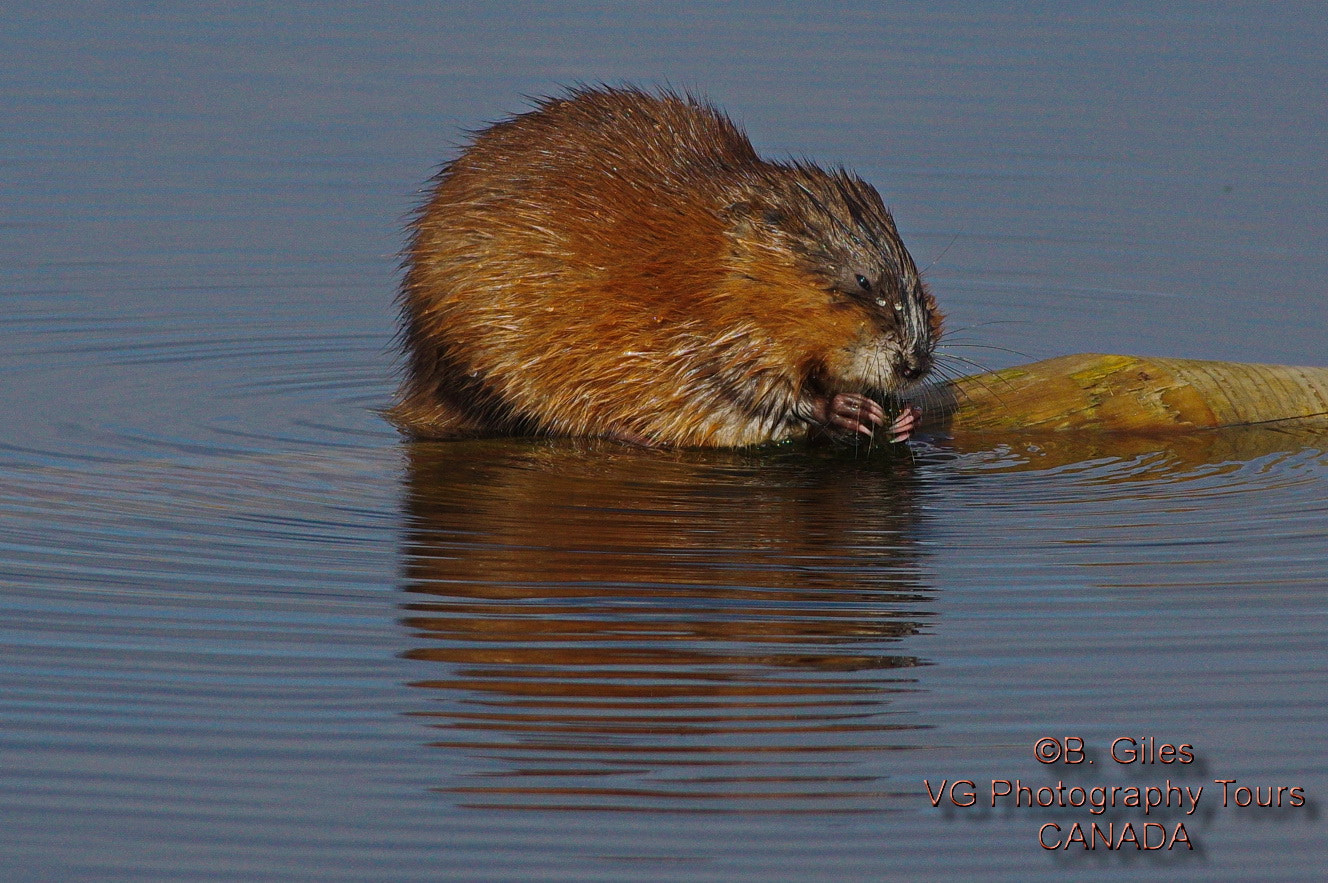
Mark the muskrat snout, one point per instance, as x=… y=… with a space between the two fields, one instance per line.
x=915 y=367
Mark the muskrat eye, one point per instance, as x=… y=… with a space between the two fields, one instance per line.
x=863 y=282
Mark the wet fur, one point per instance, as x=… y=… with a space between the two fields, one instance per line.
x=621 y=263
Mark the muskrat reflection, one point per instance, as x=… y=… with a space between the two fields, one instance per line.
x=647 y=631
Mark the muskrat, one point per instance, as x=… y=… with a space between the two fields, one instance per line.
x=621 y=263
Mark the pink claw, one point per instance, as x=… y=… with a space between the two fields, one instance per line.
x=851 y=412
x=855 y=413
x=905 y=423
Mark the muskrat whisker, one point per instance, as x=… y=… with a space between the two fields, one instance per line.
x=949 y=373
x=976 y=325
x=978 y=379
x=948 y=376
x=936 y=260
x=925 y=396
x=949 y=342
x=951 y=357
x=982 y=381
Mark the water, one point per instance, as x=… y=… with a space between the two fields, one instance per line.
x=250 y=633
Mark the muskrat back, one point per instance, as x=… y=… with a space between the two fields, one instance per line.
x=621 y=263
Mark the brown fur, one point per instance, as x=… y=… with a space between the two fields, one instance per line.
x=621 y=263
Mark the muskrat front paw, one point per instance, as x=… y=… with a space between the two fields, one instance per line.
x=905 y=423
x=851 y=412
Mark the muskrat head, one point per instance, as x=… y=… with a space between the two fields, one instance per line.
x=872 y=325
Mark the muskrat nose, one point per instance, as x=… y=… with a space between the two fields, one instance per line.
x=914 y=368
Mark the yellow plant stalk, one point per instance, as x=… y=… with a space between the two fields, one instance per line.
x=1111 y=393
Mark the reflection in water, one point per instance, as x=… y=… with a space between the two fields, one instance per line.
x=1173 y=456
x=642 y=630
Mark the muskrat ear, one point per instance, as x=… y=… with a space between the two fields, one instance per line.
x=746 y=214
x=738 y=212
x=741 y=217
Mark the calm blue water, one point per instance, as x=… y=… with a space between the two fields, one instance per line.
x=248 y=632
